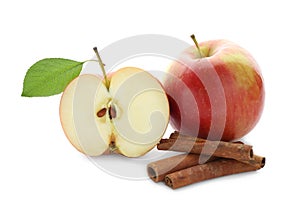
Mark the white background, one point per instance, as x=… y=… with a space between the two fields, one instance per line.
x=39 y=170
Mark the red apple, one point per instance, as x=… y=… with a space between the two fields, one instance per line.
x=215 y=90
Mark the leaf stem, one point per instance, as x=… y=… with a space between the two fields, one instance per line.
x=197 y=45
x=102 y=67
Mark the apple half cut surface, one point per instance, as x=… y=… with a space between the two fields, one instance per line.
x=128 y=115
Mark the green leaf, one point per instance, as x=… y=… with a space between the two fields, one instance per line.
x=50 y=76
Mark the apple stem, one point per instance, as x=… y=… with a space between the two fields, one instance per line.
x=102 y=67
x=197 y=46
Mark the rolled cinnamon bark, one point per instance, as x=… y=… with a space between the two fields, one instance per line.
x=176 y=135
x=159 y=169
x=237 y=151
x=257 y=161
x=217 y=168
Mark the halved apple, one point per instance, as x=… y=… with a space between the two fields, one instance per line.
x=127 y=114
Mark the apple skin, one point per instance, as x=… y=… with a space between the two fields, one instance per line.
x=226 y=91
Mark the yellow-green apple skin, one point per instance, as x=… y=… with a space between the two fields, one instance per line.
x=227 y=91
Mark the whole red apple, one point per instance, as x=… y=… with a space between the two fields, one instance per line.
x=215 y=90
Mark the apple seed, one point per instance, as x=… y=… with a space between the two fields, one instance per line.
x=112 y=112
x=101 y=113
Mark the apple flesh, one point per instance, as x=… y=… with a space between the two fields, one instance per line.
x=215 y=91
x=129 y=117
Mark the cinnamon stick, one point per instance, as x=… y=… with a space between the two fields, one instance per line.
x=237 y=151
x=257 y=161
x=254 y=160
x=176 y=135
x=159 y=169
x=217 y=168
